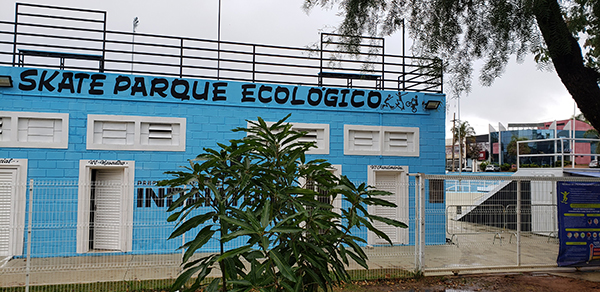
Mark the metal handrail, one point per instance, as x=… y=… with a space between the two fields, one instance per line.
x=200 y=58
x=556 y=153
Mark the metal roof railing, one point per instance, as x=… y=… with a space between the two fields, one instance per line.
x=563 y=148
x=77 y=39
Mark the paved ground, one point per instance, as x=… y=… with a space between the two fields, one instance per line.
x=468 y=253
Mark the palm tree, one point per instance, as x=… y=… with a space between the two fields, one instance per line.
x=460 y=133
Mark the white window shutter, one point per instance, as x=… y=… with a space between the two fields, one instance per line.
x=5 y=130
x=7 y=192
x=114 y=133
x=364 y=140
x=159 y=134
x=39 y=130
x=107 y=214
x=138 y=133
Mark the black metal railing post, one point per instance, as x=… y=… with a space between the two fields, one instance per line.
x=382 y=64
x=253 y=63
x=15 y=34
x=181 y=58
x=103 y=42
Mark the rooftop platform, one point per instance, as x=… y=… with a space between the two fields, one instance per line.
x=77 y=39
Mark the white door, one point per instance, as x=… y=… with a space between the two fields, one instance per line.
x=392 y=181
x=8 y=180
x=105 y=209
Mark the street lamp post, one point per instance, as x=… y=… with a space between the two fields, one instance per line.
x=136 y=22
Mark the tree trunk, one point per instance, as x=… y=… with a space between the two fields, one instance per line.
x=565 y=52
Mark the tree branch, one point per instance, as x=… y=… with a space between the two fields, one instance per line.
x=565 y=52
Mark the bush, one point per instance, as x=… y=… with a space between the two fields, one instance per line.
x=483 y=165
x=293 y=240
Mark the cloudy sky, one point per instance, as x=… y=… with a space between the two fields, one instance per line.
x=522 y=95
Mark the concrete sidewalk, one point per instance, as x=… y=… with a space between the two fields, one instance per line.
x=468 y=253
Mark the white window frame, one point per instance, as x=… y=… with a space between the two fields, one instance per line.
x=336 y=169
x=322 y=135
x=349 y=148
x=126 y=203
x=337 y=202
x=402 y=195
x=19 y=200
x=12 y=140
x=380 y=145
x=322 y=142
x=412 y=141
x=137 y=144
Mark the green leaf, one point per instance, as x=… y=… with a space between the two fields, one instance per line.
x=236 y=222
x=214 y=285
x=236 y=234
x=286 y=230
x=201 y=239
x=184 y=278
x=317 y=278
x=342 y=251
x=286 y=286
x=359 y=260
x=284 y=269
x=192 y=223
x=235 y=252
x=266 y=215
x=379 y=202
x=181 y=200
x=174 y=216
x=388 y=221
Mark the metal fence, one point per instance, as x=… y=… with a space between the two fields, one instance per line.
x=454 y=227
x=77 y=39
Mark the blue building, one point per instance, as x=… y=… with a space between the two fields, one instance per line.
x=91 y=136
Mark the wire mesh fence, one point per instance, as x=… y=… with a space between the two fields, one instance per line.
x=456 y=223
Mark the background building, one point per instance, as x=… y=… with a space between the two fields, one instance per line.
x=499 y=152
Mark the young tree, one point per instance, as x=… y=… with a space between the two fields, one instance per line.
x=473 y=148
x=511 y=148
x=461 y=32
x=293 y=240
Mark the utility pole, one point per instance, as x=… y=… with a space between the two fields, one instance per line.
x=453 y=138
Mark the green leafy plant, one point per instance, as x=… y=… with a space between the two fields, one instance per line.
x=263 y=192
x=483 y=165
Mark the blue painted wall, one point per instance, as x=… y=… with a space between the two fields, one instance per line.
x=210 y=118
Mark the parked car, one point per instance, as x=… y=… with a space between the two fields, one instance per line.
x=594 y=164
x=492 y=168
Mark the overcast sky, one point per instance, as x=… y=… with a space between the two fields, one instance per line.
x=522 y=95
